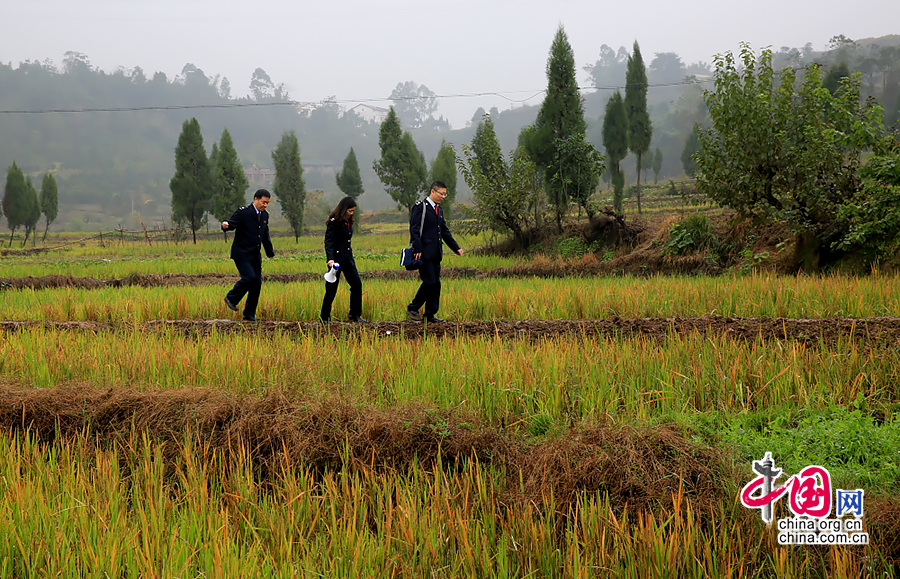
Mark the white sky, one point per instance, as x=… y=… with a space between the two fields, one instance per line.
x=359 y=50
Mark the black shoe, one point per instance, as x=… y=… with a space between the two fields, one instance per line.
x=326 y=321
x=433 y=319
x=414 y=315
x=250 y=319
x=230 y=305
x=357 y=319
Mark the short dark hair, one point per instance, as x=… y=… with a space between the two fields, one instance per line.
x=260 y=193
x=437 y=185
x=340 y=212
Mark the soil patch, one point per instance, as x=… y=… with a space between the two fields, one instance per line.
x=883 y=331
x=13 y=326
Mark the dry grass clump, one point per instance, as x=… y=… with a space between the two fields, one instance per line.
x=142 y=481
x=641 y=467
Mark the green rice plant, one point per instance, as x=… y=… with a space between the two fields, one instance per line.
x=114 y=261
x=566 y=379
x=71 y=510
x=491 y=298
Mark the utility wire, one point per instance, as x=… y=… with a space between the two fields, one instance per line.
x=235 y=105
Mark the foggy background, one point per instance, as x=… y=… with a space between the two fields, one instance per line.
x=113 y=167
x=359 y=50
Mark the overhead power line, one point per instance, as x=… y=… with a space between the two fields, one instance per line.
x=507 y=96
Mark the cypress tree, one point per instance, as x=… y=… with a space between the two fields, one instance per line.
x=49 y=201
x=348 y=180
x=230 y=179
x=401 y=168
x=478 y=146
x=192 y=185
x=557 y=143
x=15 y=200
x=615 y=141
x=33 y=214
x=640 y=129
x=443 y=168
x=657 y=164
x=504 y=193
x=691 y=146
x=213 y=160
x=289 y=188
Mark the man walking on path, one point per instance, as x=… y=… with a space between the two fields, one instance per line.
x=429 y=249
x=251 y=234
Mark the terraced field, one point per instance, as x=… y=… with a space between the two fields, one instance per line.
x=565 y=421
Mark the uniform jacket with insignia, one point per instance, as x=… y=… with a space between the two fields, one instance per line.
x=251 y=234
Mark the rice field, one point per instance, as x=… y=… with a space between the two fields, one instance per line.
x=468 y=456
x=488 y=298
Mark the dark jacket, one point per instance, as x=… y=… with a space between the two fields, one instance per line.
x=337 y=241
x=250 y=234
x=434 y=230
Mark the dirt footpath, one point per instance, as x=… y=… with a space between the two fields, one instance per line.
x=882 y=331
x=669 y=265
x=827 y=330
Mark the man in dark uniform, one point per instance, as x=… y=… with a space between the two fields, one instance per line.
x=251 y=233
x=430 y=250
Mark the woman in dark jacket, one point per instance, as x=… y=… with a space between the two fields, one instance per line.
x=338 y=231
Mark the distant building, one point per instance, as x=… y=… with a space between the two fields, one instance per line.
x=370 y=114
x=304 y=109
x=262 y=176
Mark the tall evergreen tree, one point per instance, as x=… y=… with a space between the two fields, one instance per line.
x=832 y=80
x=558 y=141
x=615 y=141
x=15 y=200
x=657 y=164
x=401 y=168
x=230 y=179
x=348 y=179
x=443 y=168
x=485 y=153
x=34 y=211
x=691 y=146
x=504 y=193
x=289 y=188
x=640 y=130
x=49 y=200
x=192 y=185
x=213 y=159
x=479 y=140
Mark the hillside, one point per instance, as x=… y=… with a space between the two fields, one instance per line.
x=113 y=150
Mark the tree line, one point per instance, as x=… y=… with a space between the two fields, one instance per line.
x=23 y=206
x=554 y=165
x=217 y=185
x=555 y=161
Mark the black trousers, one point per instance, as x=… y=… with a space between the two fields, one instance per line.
x=350 y=273
x=429 y=292
x=250 y=285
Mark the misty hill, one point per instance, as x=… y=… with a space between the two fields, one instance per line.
x=114 y=160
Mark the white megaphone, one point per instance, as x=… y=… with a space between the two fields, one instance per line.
x=331 y=276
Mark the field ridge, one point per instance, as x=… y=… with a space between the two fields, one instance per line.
x=883 y=331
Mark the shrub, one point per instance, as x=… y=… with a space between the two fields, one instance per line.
x=693 y=233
